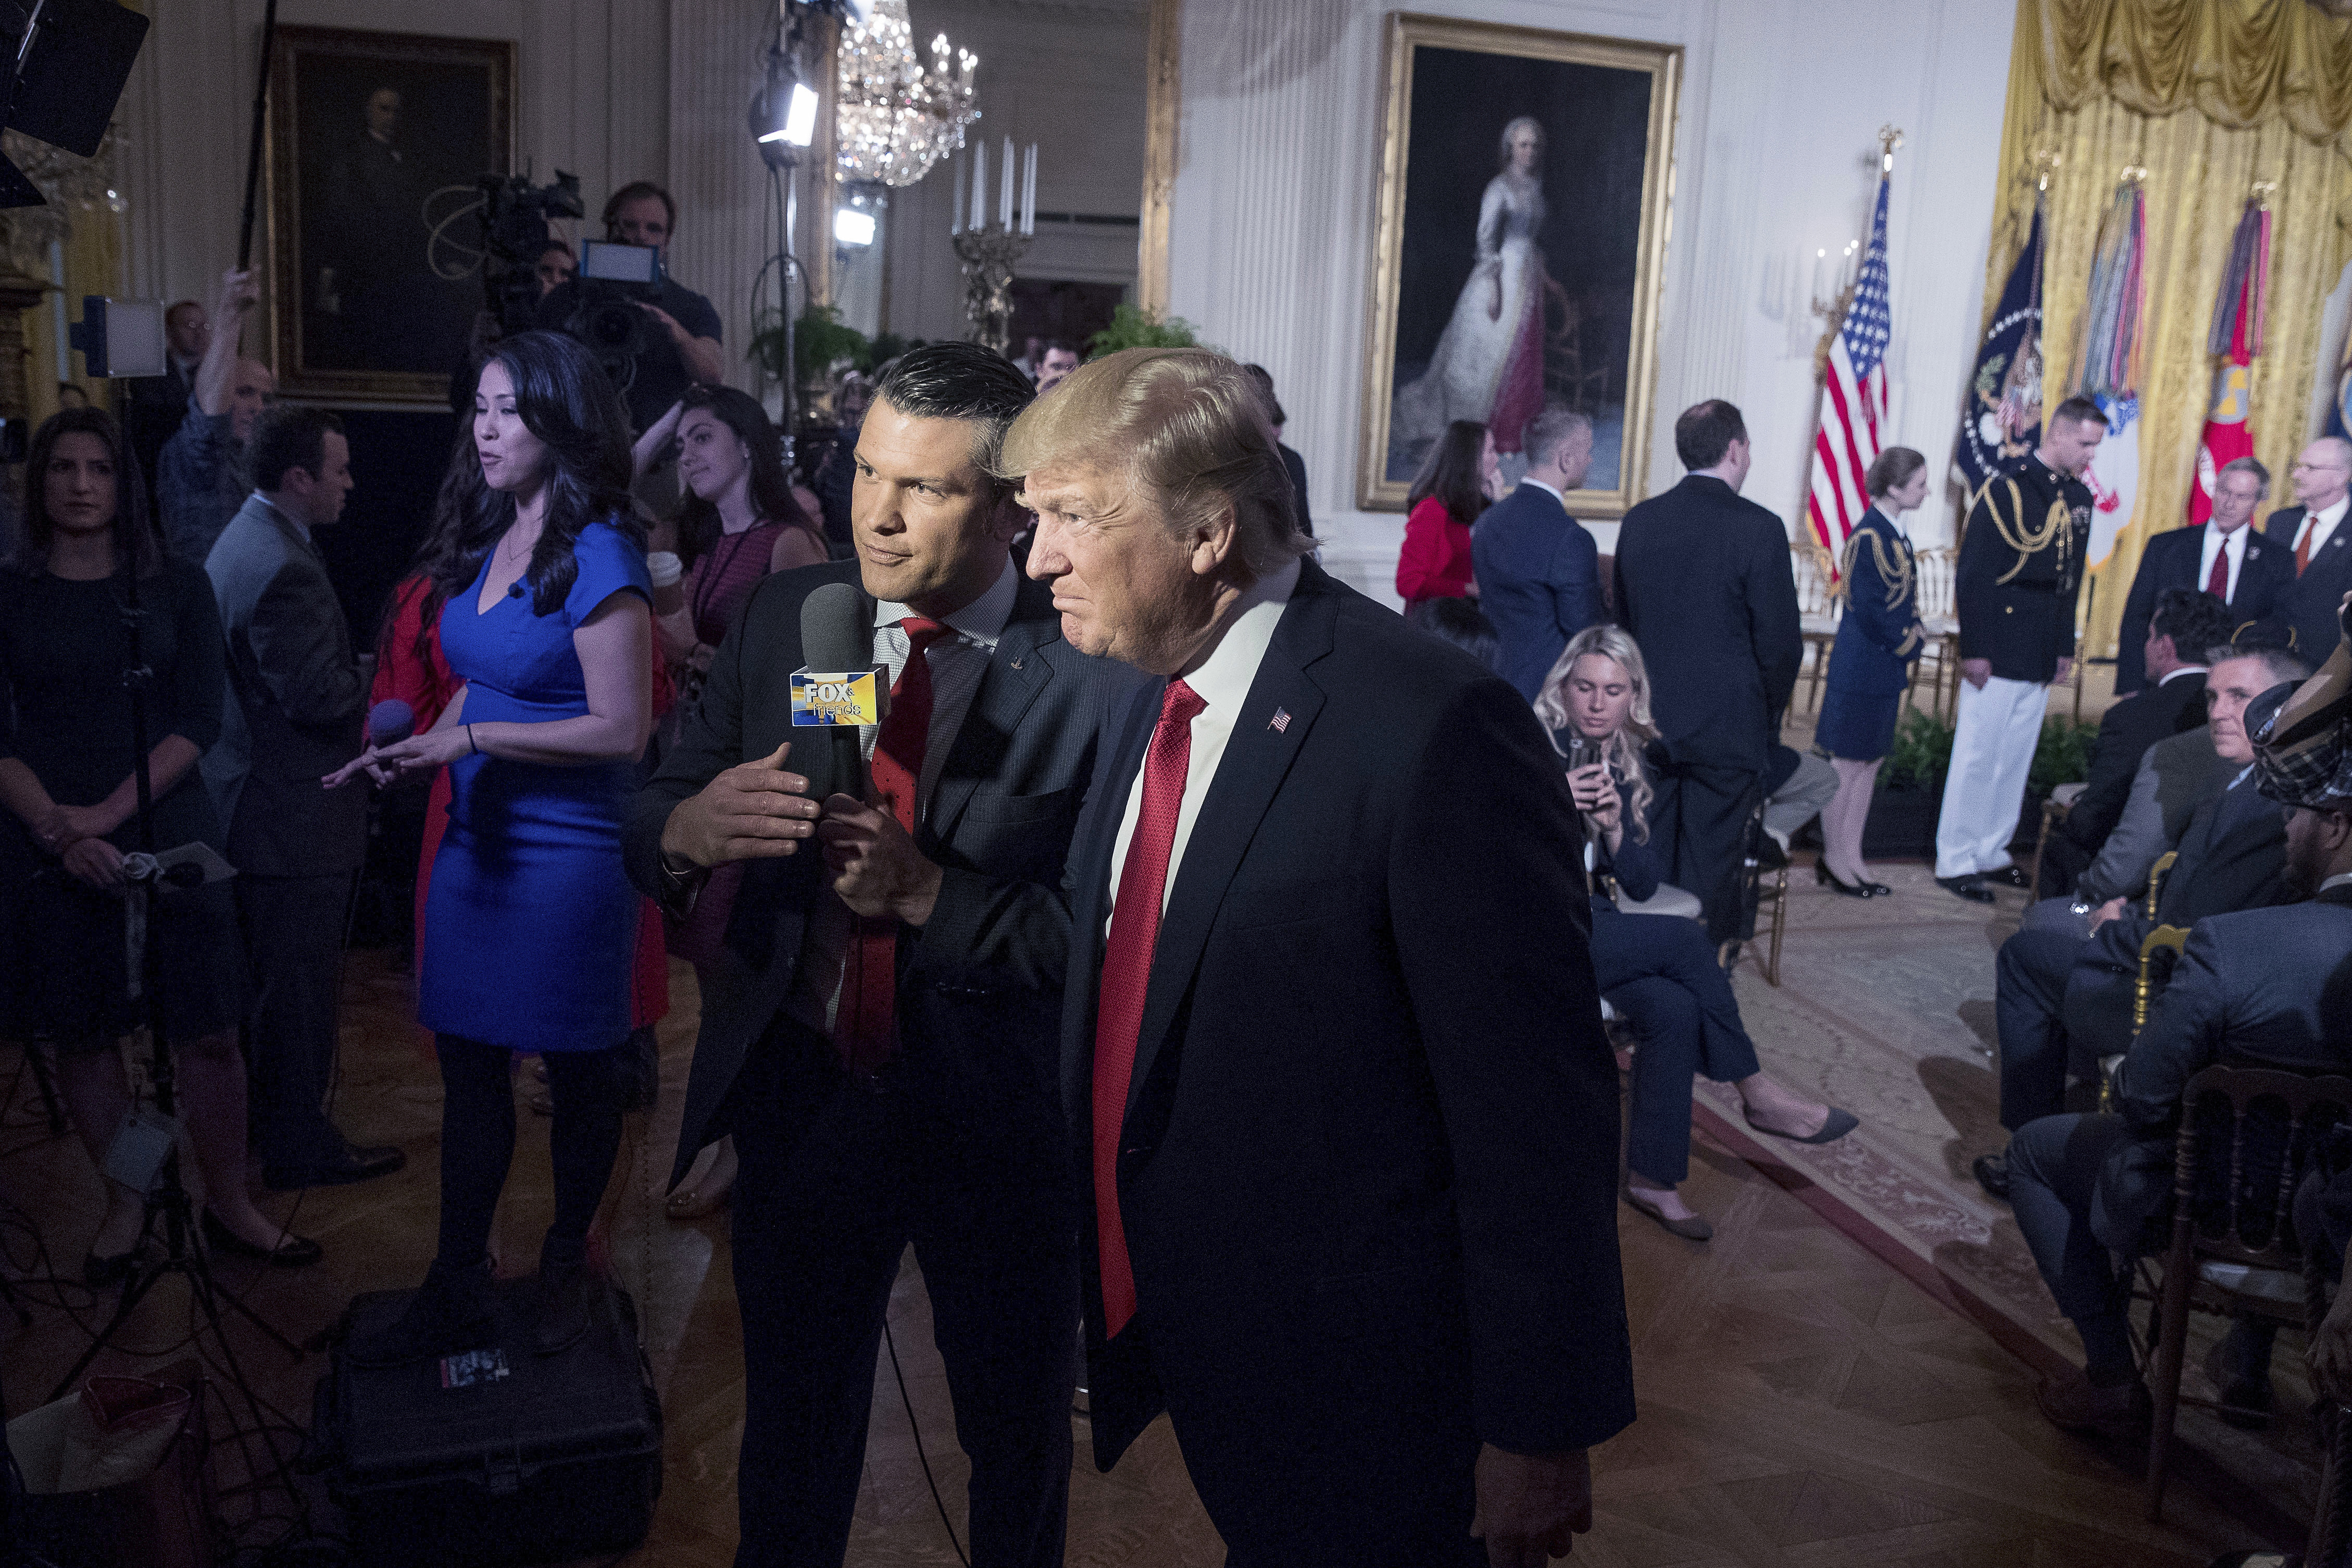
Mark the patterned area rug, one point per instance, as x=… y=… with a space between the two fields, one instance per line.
x=1886 y=1008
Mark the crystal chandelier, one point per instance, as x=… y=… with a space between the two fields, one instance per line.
x=897 y=118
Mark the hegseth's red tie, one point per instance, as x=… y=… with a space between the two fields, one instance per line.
x=864 y=1024
x=2217 y=584
x=1127 y=974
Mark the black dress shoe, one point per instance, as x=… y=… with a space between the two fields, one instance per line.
x=1969 y=888
x=292 y=1252
x=567 y=1294
x=454 y=1310
x=1769 y=856
x=2245 y=1401
x=354 y=1163
x=2010 y=877
x=1992 y=1172
x=1879 y=889
x=1827 y=879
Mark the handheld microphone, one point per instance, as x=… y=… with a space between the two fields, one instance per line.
x=837 y=644
x=390 y=720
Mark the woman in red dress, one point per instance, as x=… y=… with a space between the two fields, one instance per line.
x=1456 y=484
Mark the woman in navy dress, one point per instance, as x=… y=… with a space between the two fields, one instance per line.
x=1659 y=971
x=529 y=920
x=1870 y=665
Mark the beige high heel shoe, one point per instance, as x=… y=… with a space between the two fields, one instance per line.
x=708 y=1183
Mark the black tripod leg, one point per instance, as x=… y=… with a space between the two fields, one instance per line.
x=38 y=1059
x=133 y=1294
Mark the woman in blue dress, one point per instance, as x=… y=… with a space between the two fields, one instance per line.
x=530 y=923
x=1870 y=665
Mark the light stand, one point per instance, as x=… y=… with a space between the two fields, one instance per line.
x=169 y=1201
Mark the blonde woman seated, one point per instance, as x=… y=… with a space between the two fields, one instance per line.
x=1659 y=971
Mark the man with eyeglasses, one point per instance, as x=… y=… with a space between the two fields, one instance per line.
x=2314 y=535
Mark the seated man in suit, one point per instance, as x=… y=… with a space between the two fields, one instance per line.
x=2064 y=989
x=2269 y=987
x=2181 y=619
x=1350 y=1145
x=1538 y=571
x=879 y=1035
x=2313 y=535
x=1705 y=585
x=2249 y=573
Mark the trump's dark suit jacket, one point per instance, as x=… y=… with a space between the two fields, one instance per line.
x=2311 y=608
x=1705 y=585
x=296 y=704
x=1366 y=1171
x=2264 y=579
x=979 y=987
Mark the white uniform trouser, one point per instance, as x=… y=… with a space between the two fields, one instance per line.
x=1992 y=751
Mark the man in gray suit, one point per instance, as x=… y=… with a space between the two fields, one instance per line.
x=298 y=700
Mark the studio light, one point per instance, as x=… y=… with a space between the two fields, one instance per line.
x=853 y=228
x=783 y=111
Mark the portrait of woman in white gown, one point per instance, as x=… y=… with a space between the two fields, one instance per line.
x=1520 y=221
x=1488 y=365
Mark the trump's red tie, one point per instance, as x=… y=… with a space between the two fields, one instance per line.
x=1127 y=974
x=2217 y=584
x=864 y=1024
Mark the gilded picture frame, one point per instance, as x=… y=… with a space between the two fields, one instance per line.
x=1504 y=278
x=374 y=143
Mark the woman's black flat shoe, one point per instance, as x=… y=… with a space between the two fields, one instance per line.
x=1878 y=889
x=292 y=1252
x=1829 y=878
x=1840 y=1124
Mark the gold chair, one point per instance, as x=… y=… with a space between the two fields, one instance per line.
x=2054 y=813
x=1817 y=610
x=2172 y=938
x=2253 y=1265
x=2156 y=874
x=1939 y=658
x=1760 y=889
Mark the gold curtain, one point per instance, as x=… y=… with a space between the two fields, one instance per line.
x=2210 y=97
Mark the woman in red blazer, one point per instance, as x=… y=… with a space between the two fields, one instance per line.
x=1455 y=485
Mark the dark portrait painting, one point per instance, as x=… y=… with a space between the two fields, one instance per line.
x=377 y=141
x=1521 y=218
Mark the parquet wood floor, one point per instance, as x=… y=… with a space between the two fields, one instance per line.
x=1801 y=1402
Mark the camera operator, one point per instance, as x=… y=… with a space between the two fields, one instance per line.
x=687 y=353
x=200 y=475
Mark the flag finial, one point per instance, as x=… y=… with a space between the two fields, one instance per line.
x=1890 y=137
x=2045 y=163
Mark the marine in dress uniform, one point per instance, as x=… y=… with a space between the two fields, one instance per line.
x=2020 y=570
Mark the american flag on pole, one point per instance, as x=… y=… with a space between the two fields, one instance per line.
x=1854 y=398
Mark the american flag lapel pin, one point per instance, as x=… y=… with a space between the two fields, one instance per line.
x=1280 y=722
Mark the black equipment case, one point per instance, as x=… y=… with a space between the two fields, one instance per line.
x=494 y=1458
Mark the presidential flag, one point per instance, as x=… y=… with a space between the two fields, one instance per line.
x=2002 y=419
x=1854 y=398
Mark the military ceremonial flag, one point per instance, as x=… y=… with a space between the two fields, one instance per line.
x=2110 y=367
x=2002 y=418
x=1854 y=396
x=2237 y=331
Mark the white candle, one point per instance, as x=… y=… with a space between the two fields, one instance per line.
x=1004 y=201
x=979 y=185
x=1029 y=193
x=955 y=179
x=1821 y=260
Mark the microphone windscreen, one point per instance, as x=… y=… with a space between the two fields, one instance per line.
x=835 y=637
x=389 y=720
